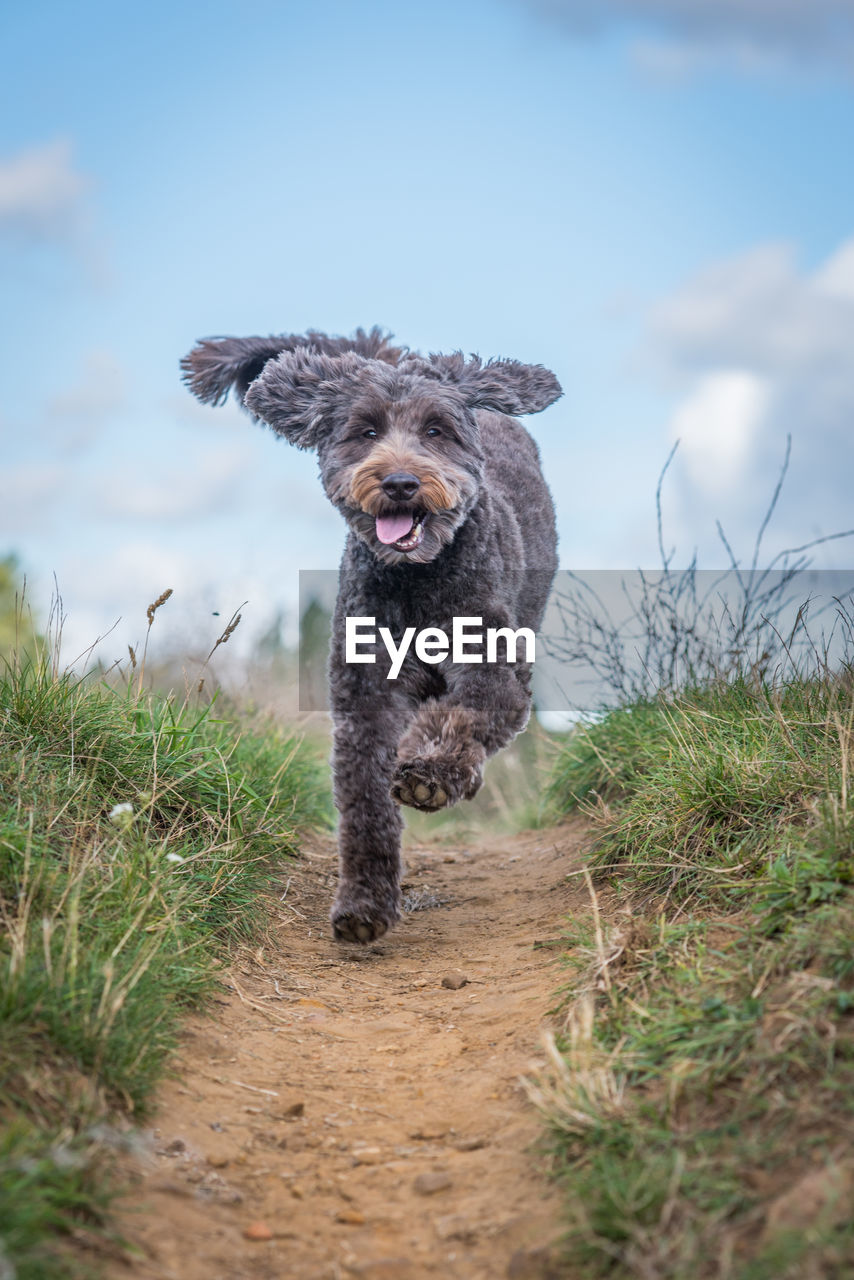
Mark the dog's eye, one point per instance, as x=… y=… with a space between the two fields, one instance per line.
x=433 y=431
x=370 y=434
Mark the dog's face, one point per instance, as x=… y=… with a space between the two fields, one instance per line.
x=403 y=467
x=398 y=443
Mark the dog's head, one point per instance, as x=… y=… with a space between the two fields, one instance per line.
x=396 y=434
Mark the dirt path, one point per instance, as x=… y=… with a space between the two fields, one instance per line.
x=370 y=1117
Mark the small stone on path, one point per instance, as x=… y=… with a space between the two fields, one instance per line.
x=350 y=1217
x=290 y=1113
x=367 y=1155
x=455 y=1227
x=258 y=1231
x=427 y=1184
x=471 y=1144
x=454 y=980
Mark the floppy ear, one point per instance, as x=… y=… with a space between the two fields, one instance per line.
x=301 y=393
x=216 y=365
x=504 y=385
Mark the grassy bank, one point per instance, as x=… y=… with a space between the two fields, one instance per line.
x=700 y=1095
x=136 y=835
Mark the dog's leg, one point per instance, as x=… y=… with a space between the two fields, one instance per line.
x=441 y=756
x=368 y=899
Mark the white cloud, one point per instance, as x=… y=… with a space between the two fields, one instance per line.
x=190 y=489
x=106 y=591
x=751 y=34
x=138 y=570
x=109 y=593
x=836 y=277
x=717 y=427
x=28 y=492
x=761 y=349
x=74 y=417
x=42 y=195
x=761 y=309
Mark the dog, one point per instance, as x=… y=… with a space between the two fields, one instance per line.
x=449 y=516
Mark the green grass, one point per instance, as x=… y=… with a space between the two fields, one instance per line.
x=115 y=921
x=723 y=790
x=715 y=1070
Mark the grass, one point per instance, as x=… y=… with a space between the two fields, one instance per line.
x=700 y=1093
x=726 y=790
x=136 y=837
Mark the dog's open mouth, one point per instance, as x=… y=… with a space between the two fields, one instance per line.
x=403 y=530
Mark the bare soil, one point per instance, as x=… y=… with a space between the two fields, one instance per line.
x=350 y=1110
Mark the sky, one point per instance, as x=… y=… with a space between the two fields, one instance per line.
x=650 y=197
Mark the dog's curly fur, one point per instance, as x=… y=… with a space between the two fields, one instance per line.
x=427 y=439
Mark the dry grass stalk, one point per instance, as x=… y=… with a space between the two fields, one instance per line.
x=600 y=940
x=686 y=627
x=579 y=1089
x=149 y=613
x=233 y=624
x=152 y=608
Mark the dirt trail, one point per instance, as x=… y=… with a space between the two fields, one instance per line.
x=369 y=1116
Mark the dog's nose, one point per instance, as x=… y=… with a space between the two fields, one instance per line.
x=400 y=486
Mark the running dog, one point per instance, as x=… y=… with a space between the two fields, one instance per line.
x=449 y=517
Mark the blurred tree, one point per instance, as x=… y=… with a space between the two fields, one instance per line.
x=315 y=627
x=270 y=645
x=16 y=622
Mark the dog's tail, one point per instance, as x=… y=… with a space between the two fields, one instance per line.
x=215 y=365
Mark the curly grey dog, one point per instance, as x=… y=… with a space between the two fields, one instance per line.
x=449 y=516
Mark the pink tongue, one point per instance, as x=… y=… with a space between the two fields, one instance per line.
x=392 y=528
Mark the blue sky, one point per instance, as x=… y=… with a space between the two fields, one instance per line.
x=651 y=197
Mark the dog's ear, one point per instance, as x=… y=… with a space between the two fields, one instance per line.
x=216 y=365
x=503 y=385
x=303 y=392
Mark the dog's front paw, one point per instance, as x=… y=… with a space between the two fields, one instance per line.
x=434 y=783
x=416 y=784
x=356 y=920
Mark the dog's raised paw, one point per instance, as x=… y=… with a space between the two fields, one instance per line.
x=349 y=927
x=415 y=785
